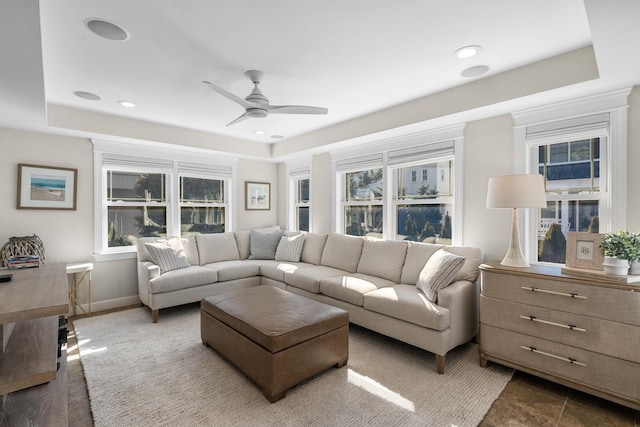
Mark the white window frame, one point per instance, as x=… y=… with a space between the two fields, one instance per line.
x=157 y=158
x=297 y=170
x=374 y=150
x=582 y=119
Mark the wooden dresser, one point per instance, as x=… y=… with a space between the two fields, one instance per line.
x=578 y=332
x=33 y=391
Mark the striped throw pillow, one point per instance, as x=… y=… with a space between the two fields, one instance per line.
x=438 y=273
x=290 y=248
x=167 y=257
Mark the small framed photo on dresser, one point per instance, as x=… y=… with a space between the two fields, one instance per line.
x=583 y=250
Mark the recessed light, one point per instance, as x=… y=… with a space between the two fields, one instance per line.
x=87 y=95
x=127 y=104
x=476 y=71
x=106 y=29
x=467 y=51
x=259 y=132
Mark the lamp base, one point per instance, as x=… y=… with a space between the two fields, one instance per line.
x=514 y=256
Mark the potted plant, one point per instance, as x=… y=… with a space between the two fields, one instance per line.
x=618 y=249
x=634 y=253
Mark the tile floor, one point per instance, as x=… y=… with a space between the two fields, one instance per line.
x=526 y=401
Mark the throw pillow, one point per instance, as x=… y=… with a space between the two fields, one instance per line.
x=264 y=245
x=290 y=248
x=438 y=272
x=167 y=257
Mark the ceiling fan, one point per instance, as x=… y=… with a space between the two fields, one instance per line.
x=257 y=105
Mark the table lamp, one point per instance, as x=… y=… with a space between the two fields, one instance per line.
x=516 y=191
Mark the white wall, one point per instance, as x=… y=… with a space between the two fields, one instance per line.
x=68 y=235
x=256 y=171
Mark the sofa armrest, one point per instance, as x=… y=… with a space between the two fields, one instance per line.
x=146 y=271
x=462 y=300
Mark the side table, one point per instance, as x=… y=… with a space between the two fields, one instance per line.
x=79 y=273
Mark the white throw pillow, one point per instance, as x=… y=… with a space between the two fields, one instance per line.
x=166 y=257
x=290 y=248
x=264 y=245
x=438 y=272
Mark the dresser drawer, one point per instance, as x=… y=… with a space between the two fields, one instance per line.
x=593 y=369
x=570 y=296
x=601 y=336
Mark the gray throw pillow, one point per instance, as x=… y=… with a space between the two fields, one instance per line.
x=438 y=272
x=264 y=245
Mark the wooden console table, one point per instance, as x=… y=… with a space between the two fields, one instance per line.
x=580 y=332
x=30 y=306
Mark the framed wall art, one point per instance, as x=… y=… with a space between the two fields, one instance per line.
x=257 y=196
x=46 y=187
x=583 y=250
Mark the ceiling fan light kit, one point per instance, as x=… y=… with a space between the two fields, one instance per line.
x=257 y=105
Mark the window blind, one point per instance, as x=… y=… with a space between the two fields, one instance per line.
x=575 y=129
x=371 y=161
x=421 y=153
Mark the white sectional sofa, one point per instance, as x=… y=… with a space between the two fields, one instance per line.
x=379 y=282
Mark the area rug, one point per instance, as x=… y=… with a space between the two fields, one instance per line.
x=143 y=374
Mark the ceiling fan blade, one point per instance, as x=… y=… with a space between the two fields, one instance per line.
x=295 y=109
x=245 y=116
x=246 y=104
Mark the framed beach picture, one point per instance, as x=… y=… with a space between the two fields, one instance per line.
x=46 y=187
x=258 y=196
x=583 y=250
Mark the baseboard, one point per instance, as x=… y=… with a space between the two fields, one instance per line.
x=106 y=305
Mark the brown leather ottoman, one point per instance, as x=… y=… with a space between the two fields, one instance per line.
x=275 y=337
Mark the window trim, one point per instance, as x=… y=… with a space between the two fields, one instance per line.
x=296 y=170
x=612 y=158
x=168 y=159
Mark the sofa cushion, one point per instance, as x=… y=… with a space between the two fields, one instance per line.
x=275 y=270
x=264 y=245
x=417 y=256
x=383 y=258
x=406 y=302
x=236 y=269
x=167 y=257
x=313 y=247
x=190 y=248
x=309 y=278
x=143 y=253
x=352 y=288
x=342 y=252
x=473 y=258
x=184 y=278
x=438 y=272
x=290 y=248
x=243 y=240
x=217 y=247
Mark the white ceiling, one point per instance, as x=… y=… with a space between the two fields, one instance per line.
x=354 y=57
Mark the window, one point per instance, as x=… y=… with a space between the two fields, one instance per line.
x=202 y=206
x=362 y=202
x=424 y=211
x=571 y=171
x=136 y=205
x=583 y=162
x=299 y=197
x=401 y=189
x=302 y=205
x=139 y=196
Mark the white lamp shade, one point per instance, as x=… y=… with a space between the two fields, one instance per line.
x=516 y=191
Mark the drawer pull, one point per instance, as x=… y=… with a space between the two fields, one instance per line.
x=564 y=294
x=546 y=322
x=571 y=360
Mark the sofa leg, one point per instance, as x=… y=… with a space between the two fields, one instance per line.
x=154 y=315
x=440 y=363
